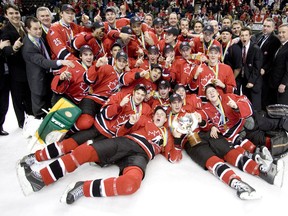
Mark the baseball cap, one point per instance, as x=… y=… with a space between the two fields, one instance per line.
x=97 y=25
x=126 y=29
x=157 y=21
x=208 y=28
x=184 y=44
x=140 y=86
x=153 y=49
x=214 y=47
x=164 y=84
x=226 y=29
x=177 y=86
x=175 y=97
x=168 y=48
x=84 y=48
x=110 y=9
x=156 y=66
x=135 y=19
x=121 y=54
x=172 y=30
x=117 y=43
x=66 y=7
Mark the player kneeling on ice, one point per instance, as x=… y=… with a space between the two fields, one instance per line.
x=138 y=141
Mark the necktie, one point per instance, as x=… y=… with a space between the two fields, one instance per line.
x=21 y=32
x=43 y=49
x=260 y=41
x=244 y=54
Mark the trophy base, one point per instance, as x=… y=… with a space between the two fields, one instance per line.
x=193 y=139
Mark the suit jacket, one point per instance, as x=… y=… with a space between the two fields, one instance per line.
x=279 y=68
x=269 y=48
x=15 y=60
x=37 y=67
x=254 y=59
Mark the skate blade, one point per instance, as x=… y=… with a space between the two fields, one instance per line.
x=64 y=195
x=279 y=178
x=250 y=196
x=24 y=183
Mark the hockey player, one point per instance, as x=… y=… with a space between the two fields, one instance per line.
x=214 y=72
x=61 y=34
x=114 y=113
x=161 y=98
x=202 y=44
x=210 y=153
x=191 y=102
x=131 y=153
x=104 y=81
x=69 y=81
x=147 y=77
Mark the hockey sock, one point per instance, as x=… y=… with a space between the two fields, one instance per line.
x=222 y=171
x=248 y=145
x=55 y=149
x=68 y=163
x=84 y=122
x=126 y=184
x=241 y=161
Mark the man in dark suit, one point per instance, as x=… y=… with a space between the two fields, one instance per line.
x=20 y=92
x=278 y=75
x=38 y=67
x=4 y=87
x=269 y=44
x=44 y=15
x=250 y=80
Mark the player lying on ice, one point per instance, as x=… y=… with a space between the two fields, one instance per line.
x=138 y=141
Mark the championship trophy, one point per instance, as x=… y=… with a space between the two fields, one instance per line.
x=186 y=125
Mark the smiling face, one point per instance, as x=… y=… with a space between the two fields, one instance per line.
x=212 y=95
x=110 y=17
x=159 y=118
x=35 y=29
x=176 y=106
x=45 y=17
x=164 y=92
x=121 y=63
x=13 y=16
x=155 y=74
x=87 y=57
x=138 y=96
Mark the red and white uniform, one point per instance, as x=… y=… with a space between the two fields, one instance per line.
x=60 y=38
x=130 y=79
x=229 y=121
x=75 y=87
x=221 y=71
x=192 y=102
x=86 y=38
x=162 y=44
x=152 y=139
x=112 y=115
x=199 y=45
x=104 y=82
x=184 y=70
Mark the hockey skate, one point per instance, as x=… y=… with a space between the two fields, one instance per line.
x=73 y=192
x=264 y=153
x=275 y=174
x=29 y=180
x=244 y=191
x=28 y=160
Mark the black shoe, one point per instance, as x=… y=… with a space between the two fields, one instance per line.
x=3 y=133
